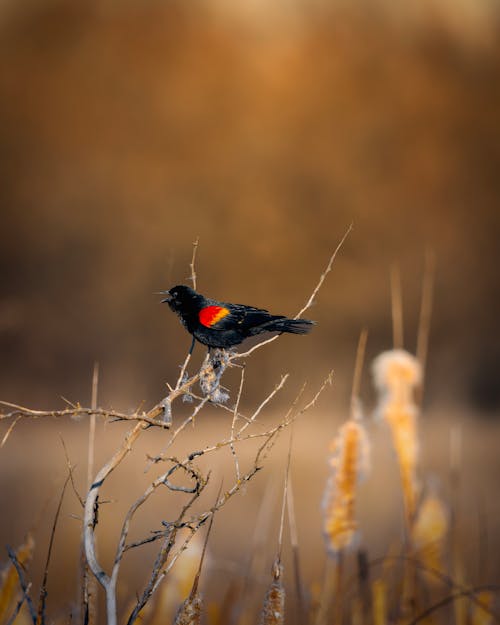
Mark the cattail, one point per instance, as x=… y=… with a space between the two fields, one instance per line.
x=181 y=579
x=396 y=374
x=189 y=612
x=273 y=610
x=349 y=461
x=429 y=531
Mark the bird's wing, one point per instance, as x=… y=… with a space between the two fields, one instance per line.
x=231 y=316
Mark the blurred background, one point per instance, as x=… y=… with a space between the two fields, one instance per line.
x=129 y=129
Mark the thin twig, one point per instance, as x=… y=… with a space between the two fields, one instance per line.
x=263 y=404
x=91 y=441
x=9 y=431
x=450 y=598
x=445 y=579
x=285 y=493
x=43 y=588
x=325 y=273
x=196 y=581
x=22 y=582
x=396 y=307
x=424 y=323
x=358 y=368
x=294 y=540
x=233 y=423
x=193 y=259
x=309 y=302
x=70 y=471
x=19 y=605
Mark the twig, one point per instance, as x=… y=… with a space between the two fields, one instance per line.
x=294 y=540
x=233 y=423
x=358 y=368
x=309 y=302
x=191 y=265
x=88 y=587
x=450 y=598
x=21 y=411
x=326 y=382
x=325 y=273
x=70 y=471
x=463 y=590
x=19 y=605
x=9 y=431
x=91 y=441
x=285 y=494
x=396 y=307
x=22 y=583
x=195 y=523
x=263 y=404
x=40 y=619
x=196 y=581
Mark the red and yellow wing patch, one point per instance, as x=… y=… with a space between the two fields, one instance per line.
x=210 y=315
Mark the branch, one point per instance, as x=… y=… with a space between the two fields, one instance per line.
x=80 y=411
x=90 y=521
x=309 y=302
x=22 y=582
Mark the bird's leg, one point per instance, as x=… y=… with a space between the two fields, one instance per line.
x=192 y=346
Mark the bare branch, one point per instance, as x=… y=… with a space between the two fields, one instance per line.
x=90 y=521
x=324 y=274
x=233 y=423
x=70 y=471
x=9 y=431
x=22 y=582
x=80 y=411
x=19 y=605
x=191 y=264
x=43 y=588
x=264 y=403
x=309 y=302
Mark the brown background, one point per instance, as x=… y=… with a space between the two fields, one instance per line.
x=128 y=129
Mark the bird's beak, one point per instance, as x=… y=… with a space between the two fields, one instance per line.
x=167 y=299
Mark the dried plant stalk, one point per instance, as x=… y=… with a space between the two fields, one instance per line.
x=429 y=532
x=349 y=462
x=379 y=602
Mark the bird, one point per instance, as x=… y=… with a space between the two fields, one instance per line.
x=223 y=325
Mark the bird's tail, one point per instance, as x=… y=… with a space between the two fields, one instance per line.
x=283 y=324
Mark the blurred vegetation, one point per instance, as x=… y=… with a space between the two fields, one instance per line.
x=128 y=129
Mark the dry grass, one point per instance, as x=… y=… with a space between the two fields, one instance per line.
x=422 y=578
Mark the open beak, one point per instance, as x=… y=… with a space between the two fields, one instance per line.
x=167 y=299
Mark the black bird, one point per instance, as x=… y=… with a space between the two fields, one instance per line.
x=223 y=325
